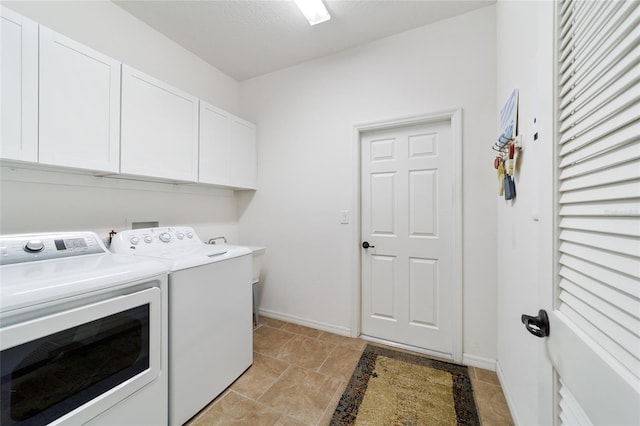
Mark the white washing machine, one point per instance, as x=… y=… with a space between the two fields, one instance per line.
x=210 y=305
x=83 y=333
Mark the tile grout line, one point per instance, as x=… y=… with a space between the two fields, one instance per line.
x=260 y=403
x=327 y=357
x=328 y=407
x=274 y=382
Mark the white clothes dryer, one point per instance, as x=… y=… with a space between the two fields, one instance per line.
x=83 y=333
x=210 y=305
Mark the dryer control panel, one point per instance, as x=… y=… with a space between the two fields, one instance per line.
x=18 y=248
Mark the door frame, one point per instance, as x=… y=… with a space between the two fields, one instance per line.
x=546 y=204
x=454 y=116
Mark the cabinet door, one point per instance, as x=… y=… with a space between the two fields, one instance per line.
x=79 y=105
x=243 y=154
x=215 y=145
x=19 y=90
x=159 y=129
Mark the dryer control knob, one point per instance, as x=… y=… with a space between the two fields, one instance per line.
x=148 y=239
x=180 y=235
x=165 y=237
x=134 y=240
x=189 y=234
x=34 y=246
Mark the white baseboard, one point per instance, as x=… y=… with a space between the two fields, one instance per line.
x=507 y=394
x=479 y=361
x=330 y=328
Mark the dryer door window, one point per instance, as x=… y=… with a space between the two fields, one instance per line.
x=44 y=379
x=73 y=365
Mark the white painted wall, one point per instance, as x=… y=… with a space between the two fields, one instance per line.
x=305 y=117
x=43 y=201
x=524 y=35
x=32 y=201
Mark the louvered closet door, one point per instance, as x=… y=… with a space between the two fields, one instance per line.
x=594 y=342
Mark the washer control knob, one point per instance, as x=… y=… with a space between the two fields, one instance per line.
x=189 y=235
x=134 y=240
x=148 y=239
x=180 y=235
x=165 y=237
x=34 y=246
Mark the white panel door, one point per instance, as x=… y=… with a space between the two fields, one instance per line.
x=215 y=145
x=19 y=90
x=407 y=218
x=79 y=105
x=244 y=154
x=159 y=136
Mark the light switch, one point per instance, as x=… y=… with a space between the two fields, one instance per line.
x=345 y=216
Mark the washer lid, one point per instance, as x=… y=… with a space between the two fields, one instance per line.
x=177 y=259
x=33 y=283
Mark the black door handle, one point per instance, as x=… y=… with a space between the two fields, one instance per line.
x=538 y=326
x=366 y=245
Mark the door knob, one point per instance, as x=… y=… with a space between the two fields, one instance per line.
x=538 y=326
x=366 y=245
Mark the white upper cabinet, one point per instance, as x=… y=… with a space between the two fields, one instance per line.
x=159 y=134
x=244 y=166
x=227 y=149
x=64 y=104
x=215 y=145
x=19 y=87
x=79 y=105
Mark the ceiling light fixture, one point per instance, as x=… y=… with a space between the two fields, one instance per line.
x=313 y=10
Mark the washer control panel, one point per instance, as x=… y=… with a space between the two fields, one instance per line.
x=20 y=248
x=148 y=240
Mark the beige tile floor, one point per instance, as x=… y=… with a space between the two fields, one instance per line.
x=298 y=375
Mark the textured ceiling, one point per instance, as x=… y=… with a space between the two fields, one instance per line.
x=247 y=38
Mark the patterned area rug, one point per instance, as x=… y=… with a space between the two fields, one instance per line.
x=396 y=388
